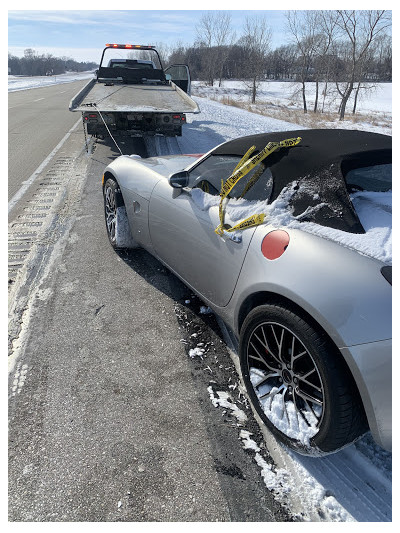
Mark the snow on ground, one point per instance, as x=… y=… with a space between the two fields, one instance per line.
x=20 y=83
x=377 y=99
x=282 y=99
x=353 y=484
x=218 y=123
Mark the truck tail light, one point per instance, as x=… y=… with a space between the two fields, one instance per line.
x=179 y=118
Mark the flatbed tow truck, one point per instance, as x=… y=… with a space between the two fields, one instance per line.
x=135 y=96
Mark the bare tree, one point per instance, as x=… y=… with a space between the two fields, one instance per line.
x=178 y=53
x=360 y=29
x=328 y=27
x=383 y=57
x=164 y=52
x=304 y=28
x=281 y=61
x=224 y=39
x=255 y=41
x=215 y=35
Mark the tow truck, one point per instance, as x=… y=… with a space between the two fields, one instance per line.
x=134 y=94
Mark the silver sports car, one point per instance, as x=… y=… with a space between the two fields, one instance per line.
x=281 y=235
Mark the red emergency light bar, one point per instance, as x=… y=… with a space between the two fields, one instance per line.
x=130 y=47
x=141 y=47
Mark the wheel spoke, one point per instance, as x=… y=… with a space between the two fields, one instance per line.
x=279 y=343
x=274 y=334
x=272 y=392
x=299 y=355
x=265 y=378
x=299 y=411
x=260 y=358
x=266 y=347
x=292 y=352
x=302 y=378
x=308 y=397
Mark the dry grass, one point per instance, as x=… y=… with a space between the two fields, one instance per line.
x=310 y=119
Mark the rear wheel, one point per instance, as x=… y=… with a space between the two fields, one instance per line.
x=117 y=224
x=298 y=383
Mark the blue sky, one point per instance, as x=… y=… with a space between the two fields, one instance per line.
x=83 y=34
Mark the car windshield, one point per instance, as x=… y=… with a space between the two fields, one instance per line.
x=256 y=185
x=376 y=178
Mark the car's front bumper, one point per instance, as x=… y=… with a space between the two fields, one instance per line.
x=371 y=365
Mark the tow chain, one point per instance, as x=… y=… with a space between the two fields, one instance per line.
x=104 y=122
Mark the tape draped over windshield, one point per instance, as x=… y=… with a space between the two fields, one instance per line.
x=245 y=165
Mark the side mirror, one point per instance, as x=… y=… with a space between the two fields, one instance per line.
x=168 y=77
x=179 y=179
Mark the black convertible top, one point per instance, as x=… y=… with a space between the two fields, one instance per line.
x=318 y=165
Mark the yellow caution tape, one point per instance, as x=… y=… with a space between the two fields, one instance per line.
x=245 y=157
x=245 y=165
x=252 y=180
x=204 y=186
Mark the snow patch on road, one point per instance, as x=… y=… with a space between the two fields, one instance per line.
x=224 y=399
x=19 y=378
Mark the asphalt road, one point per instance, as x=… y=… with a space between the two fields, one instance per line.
x=38 y=119
x=110 y=419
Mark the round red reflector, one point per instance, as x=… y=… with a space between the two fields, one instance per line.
x=274 y=244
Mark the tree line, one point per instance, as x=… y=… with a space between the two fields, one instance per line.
x=34 y=64
x=348 y=49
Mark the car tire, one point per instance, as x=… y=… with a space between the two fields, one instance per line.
x=298 y=382
x=117 y=224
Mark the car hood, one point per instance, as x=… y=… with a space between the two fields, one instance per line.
x=168 y=164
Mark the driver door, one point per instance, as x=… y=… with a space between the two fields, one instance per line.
x=180 y=75
x=182 y=233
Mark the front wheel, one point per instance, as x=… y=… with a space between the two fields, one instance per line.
x=298 y=383
x=117 y=224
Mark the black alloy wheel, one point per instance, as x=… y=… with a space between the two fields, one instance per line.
x=111 y=202
x=298 y=383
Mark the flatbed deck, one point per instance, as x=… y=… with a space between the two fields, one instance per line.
x=133 y=99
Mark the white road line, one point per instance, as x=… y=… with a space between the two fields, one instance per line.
x=26 y=184
x=38 y=100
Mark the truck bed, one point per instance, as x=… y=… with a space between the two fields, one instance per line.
x=133 y=98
